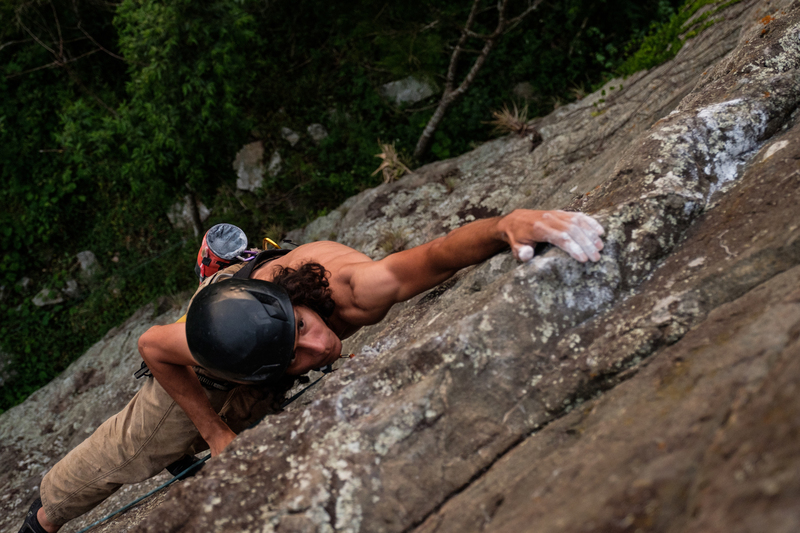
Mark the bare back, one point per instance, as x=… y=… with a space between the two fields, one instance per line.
x=340 y=261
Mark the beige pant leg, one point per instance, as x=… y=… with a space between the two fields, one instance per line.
x=151 y=432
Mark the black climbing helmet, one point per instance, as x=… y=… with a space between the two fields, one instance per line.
x=242 y=330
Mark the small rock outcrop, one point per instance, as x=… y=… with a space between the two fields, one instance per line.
x=47 y=297
x=188 y=214
x=408 y=90
x=90 y=267
x=291 y=136
x=655 y=390
x=317 y=132
x=249 y=166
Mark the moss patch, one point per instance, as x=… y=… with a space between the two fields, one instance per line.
x=665 y=41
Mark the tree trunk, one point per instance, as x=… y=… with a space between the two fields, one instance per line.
x=450 y=95
x=430 y=128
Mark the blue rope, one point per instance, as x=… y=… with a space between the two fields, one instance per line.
x=137 y=500
x=325 y=371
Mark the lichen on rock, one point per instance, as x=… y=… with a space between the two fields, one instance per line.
x=652 y=390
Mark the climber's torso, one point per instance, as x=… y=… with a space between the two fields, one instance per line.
x=346 y=266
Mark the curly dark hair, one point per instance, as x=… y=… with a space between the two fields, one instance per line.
x=307 y=286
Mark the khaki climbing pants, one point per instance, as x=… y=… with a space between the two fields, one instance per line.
x=150 y=433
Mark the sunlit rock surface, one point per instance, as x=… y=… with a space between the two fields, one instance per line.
x=656 y=390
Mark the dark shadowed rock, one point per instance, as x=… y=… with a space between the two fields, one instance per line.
x=655 y=390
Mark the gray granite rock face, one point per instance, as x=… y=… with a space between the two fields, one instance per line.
x=655 y=390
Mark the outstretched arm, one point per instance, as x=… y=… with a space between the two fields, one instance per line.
x=166 y=352
x=379 y=285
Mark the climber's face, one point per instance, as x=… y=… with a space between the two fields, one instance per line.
x=316 y=345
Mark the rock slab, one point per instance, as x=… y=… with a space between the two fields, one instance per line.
x=652 y=391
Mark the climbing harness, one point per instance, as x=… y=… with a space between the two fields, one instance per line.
x=206 y=381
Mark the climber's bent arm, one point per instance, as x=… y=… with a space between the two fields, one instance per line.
x=376 y=286
x=166 y=352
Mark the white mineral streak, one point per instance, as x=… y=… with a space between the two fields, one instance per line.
x=671 y=184
x=661 y=314
x=432 y=320
x=733 y=134
x=319 y=498
x=389 y=437
x=775 y=148
x=697 y=262
x=496 y=262
x=348 y=511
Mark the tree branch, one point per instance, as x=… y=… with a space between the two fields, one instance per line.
x=9 y=43
x=35 y=37
x=98 y=45
x=451 y=70
x=58 y=28
x=450 y=95
x=511 y=24
x=55 y=63
x=504 y=26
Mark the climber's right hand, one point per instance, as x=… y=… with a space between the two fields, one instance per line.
x=575 y=233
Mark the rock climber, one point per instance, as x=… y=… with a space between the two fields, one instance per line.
x=252 y=328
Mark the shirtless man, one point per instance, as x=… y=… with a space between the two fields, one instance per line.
x=362 y=291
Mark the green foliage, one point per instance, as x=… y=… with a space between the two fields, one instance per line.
x=45 y=341
x=189 y=73
x=110 y=113
x=44 y=201
x=665 y=41
x=96 y=151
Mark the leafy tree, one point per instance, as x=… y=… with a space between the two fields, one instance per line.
x=189 y=75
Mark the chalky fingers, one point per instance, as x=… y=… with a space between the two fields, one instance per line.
x=586 y=237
